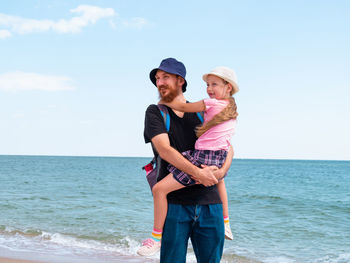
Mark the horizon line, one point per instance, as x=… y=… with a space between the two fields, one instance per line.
x=114 y=156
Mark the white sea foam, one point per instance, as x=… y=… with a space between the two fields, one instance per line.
x=342 y=258
x=65 y=245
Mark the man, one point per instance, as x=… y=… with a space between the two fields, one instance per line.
x=196 y=211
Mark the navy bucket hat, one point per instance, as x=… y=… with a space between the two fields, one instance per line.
x=172 y=66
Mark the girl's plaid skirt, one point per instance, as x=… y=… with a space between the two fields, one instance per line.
x=198 y=157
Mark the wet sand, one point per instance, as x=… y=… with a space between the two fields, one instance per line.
x=10 y=260
x=32 y=259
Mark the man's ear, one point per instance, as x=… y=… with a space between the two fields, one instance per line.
x=181 y=80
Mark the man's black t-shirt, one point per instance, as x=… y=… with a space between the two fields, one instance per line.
x=182 y=137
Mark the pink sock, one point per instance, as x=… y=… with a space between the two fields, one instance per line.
x=157 y=234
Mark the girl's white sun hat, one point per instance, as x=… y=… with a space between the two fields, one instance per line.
x=226 y=74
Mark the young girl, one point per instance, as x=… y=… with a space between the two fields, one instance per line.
x=220 y=113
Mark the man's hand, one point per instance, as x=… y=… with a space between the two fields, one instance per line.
x=206 y=176
x=219 y=173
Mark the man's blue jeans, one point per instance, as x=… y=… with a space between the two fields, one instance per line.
x=204 y=224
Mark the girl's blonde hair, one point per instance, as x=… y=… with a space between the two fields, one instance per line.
x=228 y=113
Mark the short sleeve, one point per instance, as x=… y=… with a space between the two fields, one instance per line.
x=154 y=123
x=209 y=103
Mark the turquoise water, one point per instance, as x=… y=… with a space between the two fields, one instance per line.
x=100 y=208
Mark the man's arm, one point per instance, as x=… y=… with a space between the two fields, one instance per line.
x=220 y=173
x=203 y=176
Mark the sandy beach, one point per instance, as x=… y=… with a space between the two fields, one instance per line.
x=11 y=260
x=119 y=259
x=123 y=259
x=7 y=256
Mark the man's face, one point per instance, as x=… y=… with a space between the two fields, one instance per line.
x=169 y=85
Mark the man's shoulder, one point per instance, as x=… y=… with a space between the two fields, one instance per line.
x=151 y=108
x=154 y=123
x=156 y=109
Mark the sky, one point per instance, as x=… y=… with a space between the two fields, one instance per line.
x=74 y=75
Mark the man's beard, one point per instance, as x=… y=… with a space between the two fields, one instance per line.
x=172 y=94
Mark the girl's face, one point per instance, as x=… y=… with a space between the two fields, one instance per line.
x=216 y=88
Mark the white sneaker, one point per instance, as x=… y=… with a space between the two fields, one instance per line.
x=149 y=247
x=228 y=232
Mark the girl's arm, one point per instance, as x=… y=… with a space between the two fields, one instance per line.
x=185 y=107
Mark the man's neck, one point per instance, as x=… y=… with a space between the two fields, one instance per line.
x=180 y=98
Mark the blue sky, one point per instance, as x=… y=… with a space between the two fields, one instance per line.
x=74 y=74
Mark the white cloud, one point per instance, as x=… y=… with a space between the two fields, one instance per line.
x=89 y=15
x=136 y=22
x=4 y=34
x=17 y=81
x=85 y=15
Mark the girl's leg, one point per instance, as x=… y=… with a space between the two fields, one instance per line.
x=160 y=192
x=223 y=197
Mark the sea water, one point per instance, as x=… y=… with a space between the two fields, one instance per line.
x=99 y=209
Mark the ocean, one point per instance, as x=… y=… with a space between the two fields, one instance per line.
x=99 y=209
